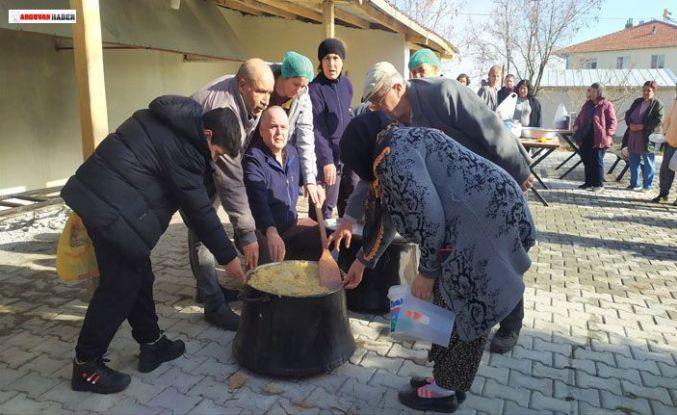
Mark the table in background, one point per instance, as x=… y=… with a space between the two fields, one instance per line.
x=542 y=149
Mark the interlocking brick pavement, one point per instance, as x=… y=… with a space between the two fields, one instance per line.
x=599 y=336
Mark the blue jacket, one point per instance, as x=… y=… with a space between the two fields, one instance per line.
x=331 y=114
x=271 y=189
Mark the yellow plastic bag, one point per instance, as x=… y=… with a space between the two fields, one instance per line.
x=75 y=258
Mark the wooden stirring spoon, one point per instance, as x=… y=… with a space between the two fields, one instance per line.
x=330 y=274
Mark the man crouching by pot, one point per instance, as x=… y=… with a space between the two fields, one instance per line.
x=156 y=162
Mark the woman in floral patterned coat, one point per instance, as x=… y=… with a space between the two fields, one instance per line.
x=472 y=224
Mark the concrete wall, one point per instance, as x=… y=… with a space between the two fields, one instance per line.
x=40 y=141
x=573 y=99
x=639 y=58
x=269 y=38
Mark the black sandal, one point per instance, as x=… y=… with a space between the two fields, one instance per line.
x=410 y=398
x=420 y=381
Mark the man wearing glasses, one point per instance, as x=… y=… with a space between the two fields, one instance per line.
x=448 y=106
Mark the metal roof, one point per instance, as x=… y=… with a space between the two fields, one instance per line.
x=363 y=14
x=557 y=78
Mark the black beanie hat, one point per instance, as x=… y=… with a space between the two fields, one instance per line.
x=331 y=45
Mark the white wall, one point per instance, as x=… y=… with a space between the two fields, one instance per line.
x=40 y=142
x=573 y=99
x=269 y=38
x=639 y=58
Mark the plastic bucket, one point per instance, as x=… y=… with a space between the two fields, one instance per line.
x=413 y=318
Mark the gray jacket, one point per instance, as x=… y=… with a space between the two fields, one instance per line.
x=228 y=177
x=448 y=106
x=469 y=218
x=489 y=95
x=301 y=133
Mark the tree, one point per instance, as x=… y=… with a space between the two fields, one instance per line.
x=525 y=33
x=437 y=15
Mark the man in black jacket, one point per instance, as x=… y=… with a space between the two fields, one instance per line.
x=156 y=162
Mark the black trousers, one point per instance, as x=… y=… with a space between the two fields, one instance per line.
x=513 y=321
x=593 y=161
x=125 y=291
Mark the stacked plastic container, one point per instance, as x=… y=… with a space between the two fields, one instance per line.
x=414 y=319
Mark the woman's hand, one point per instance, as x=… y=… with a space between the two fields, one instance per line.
x=329 y=171
x=354 y=276
x=343 y=233
x=528 y=183
x=422 y=287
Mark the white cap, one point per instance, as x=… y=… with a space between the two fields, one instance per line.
x=378 y=76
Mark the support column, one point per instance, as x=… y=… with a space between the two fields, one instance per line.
x=328 y=18
x=88 y=55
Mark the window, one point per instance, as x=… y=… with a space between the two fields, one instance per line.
x=590 y=64
x=622 y=62
x=657 y=61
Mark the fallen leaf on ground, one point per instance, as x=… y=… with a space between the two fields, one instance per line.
x=272 y=389
x=236 y=381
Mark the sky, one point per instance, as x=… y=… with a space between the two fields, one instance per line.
x=612 y=18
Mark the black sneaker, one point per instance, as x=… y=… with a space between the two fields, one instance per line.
x=502 y=343
x=585 y=186
x=162 y=350
x=420 y=381
x=660 y=199
x=95 y=376
x=224 y=318
x=410 y=398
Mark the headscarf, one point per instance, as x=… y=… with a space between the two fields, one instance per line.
x=424 y=56
x=296 y=65
x=358 y=143
x=331 y=45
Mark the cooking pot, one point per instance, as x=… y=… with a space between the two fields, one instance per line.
x=371 y=296
x=293 y=336
x=534 y=132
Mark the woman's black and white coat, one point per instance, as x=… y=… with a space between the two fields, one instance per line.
x=438 y=194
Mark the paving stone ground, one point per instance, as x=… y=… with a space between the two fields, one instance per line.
x=599 y=336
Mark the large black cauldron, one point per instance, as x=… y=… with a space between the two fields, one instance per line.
x=293 y=336
x=371 y=296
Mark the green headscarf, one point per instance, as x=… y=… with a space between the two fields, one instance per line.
x=424 y=56
x=295 y=65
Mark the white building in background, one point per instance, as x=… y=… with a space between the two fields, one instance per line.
x=622 y=86
x=650 y=45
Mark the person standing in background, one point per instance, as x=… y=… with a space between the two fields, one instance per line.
x=644 y=118
x=594 y=128
x=666 y=175
x=488 y=92
x=331 y=93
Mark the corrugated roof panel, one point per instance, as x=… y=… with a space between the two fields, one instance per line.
x=559 y=78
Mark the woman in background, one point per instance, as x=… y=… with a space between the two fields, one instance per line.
x=643 y=118
x=528 y=108
x=594 y=128
x=331 y=93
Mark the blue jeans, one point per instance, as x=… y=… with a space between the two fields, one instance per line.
x=647 y=173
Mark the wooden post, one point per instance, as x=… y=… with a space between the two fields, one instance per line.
x=88 y=55
x=328 y=18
